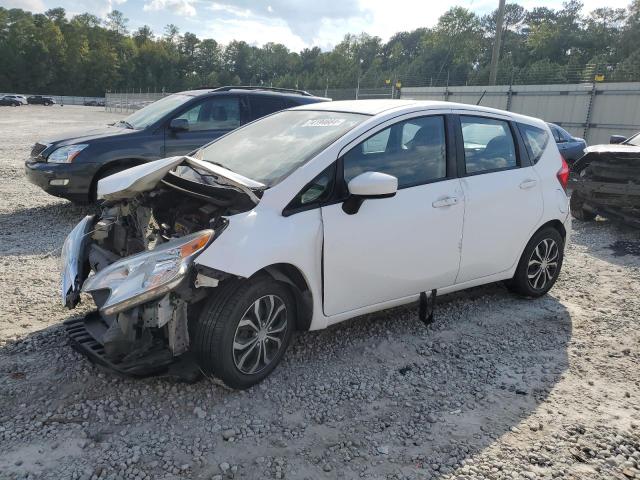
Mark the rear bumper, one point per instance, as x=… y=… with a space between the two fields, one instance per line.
x=620 y=201
x=78 y=178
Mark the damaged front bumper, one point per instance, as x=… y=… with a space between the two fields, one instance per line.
x=141 y=325
x=124 y=344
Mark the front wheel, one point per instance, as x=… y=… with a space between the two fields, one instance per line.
x=540 y=264
x=244 y=331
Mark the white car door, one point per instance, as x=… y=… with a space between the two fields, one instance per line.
x=399 y=246
x=503 y=198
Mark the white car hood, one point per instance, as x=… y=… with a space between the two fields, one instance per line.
x=145 y=177
x=609 y=148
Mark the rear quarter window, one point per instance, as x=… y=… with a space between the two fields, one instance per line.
x=535 y=139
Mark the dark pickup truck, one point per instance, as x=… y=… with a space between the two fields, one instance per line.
x=40 y=100
x=70 y=166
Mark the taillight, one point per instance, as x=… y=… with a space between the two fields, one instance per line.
x=563 y=174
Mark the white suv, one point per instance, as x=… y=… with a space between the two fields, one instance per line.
x=21 y=98
x=309 y=217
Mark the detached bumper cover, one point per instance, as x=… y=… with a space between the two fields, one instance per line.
x=86 y=334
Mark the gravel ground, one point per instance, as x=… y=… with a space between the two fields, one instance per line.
x=497 y=388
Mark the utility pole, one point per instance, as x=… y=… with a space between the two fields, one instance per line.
x=495 y=55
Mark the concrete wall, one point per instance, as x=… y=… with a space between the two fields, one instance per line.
x=594 y=112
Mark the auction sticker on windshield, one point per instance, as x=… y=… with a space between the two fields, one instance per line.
x=323 y=122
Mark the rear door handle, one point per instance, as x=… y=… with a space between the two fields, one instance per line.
x=529 y=183
x=445 y=202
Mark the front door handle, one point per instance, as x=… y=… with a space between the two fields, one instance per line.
x=445 y=202
x=529 y=183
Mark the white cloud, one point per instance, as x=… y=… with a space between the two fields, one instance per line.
x=184 y=8
x=253 y=31
x=36 y=6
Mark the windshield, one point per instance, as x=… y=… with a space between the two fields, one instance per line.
x=155 y=111
x=269 y=149
x=635 y=140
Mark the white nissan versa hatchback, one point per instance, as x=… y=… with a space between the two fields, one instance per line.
x=306 y=218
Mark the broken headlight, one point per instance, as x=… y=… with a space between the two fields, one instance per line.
x=137 y=279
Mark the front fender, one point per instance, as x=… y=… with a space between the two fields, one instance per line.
x=260 y=238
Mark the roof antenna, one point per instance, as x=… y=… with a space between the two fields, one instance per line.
x=481 y=97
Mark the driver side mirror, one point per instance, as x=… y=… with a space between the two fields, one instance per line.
x=369 y=185
x=179 y=125
x=616 y=139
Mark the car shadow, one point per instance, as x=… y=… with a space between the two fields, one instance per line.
x=39 y=230
x=383 y=389
x=482 y=368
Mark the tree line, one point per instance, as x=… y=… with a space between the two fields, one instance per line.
x=84 y=55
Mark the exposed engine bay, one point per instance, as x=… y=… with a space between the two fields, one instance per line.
x=137 y=261
x=143 y=223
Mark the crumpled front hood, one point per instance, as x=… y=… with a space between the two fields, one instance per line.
x=143 y=178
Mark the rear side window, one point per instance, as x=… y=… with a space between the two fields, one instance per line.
x=488 y=144
x=261 y=106
x=535 y=139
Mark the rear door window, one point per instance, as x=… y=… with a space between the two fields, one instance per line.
x=535 y=140
x=488 y=144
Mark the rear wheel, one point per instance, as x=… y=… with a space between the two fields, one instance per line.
x=540 y=264
x=244 y=331
x=576 y=205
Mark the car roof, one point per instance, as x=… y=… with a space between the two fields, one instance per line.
x=254 y=91
x=376 y=107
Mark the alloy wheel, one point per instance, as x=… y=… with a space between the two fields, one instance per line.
x=260 y=334
x=543 y=264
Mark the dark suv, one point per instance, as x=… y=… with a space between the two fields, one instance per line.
x=71 y=166
x=40 y=100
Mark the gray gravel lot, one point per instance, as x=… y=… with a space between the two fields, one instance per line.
x=498 y=388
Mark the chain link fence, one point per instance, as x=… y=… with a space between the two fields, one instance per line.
x=130 y=101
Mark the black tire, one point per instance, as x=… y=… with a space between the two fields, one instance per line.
x=521 y=282
x=93 y=192
x=576 y=205
x=216 y=340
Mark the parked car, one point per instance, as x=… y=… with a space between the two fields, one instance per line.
x=71 y=165
x=40 y=100
x=10 y=101
x=309 y=217
x=21 y=98
x=94 y=103
x=606 y=181
x=571 y=148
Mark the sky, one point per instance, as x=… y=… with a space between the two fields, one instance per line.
x=294 y=23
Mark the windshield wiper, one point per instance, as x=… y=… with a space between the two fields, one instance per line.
x=126 y=124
